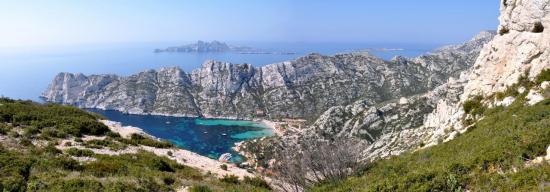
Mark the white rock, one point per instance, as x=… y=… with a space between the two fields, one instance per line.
x=534 y=97
x=403 y=101
x=505 y=102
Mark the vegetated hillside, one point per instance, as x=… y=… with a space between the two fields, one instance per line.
x=30 y=161
x=495 y=154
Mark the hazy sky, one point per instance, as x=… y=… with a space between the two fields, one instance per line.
x=73 y=22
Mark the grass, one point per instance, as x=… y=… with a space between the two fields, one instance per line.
x=482 y=159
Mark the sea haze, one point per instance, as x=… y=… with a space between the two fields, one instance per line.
x=27 y=73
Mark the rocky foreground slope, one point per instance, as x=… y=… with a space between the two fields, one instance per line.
x=302 y=88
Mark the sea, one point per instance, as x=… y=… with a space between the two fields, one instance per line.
x=26 y=72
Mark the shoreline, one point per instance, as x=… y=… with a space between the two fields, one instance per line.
x=182 y=156
x=274 y=126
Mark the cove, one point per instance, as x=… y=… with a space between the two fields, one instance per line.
x=207 y=137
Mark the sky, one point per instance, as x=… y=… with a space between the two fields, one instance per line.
x=26 y=23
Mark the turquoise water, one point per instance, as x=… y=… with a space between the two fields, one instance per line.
x=207 y=137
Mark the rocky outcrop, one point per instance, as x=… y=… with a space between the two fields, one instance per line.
x=302 y=88
x=520 y=48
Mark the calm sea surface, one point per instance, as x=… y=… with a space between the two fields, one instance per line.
x=24 y=74
x=207 y=137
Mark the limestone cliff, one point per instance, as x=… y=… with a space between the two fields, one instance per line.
x=301 y=88
x=520 y=48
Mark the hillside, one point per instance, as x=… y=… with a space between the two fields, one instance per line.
x=497 y=153
x=35 y=156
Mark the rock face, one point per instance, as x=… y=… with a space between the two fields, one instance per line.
x=302 y=88
x=520 y=48
x=203 y=47
x=523 y=46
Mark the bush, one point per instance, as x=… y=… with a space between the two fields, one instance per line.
x=79 y=152
x=199 y=188
x=4 y=129
x=223 y=167
x=102 y=168
x=113 y=134
x=161 y=165
x=25 y=142
x=78 y=184
x=168 y=180
x=256 y=181
x=101 y=143
x=474 y=106
x=230 y=179
x=137 y=139
x=543 y=76
x=63 y=119
x=51 y=149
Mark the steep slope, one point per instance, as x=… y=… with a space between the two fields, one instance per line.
x=494 y=156
x=427 y=119
x=302 y=88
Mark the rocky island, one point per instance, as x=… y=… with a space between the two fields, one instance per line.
x=216 y=47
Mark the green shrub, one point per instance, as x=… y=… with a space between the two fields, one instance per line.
x=230 y=179
x=25 y=142
x=4 y=129
x=474 y=106
x=102 y=168
x=199 y=188
x=256 y=181
x=161 y=165
x=168 y=180
x=113 y=134
x=78 y=184
x=137 y=139
x=543 y=76
x=51 y=149
x=223 y=167
x=101 y=143
x=79 y=152
x=64 y=119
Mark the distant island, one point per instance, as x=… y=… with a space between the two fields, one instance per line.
x=216 y=46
